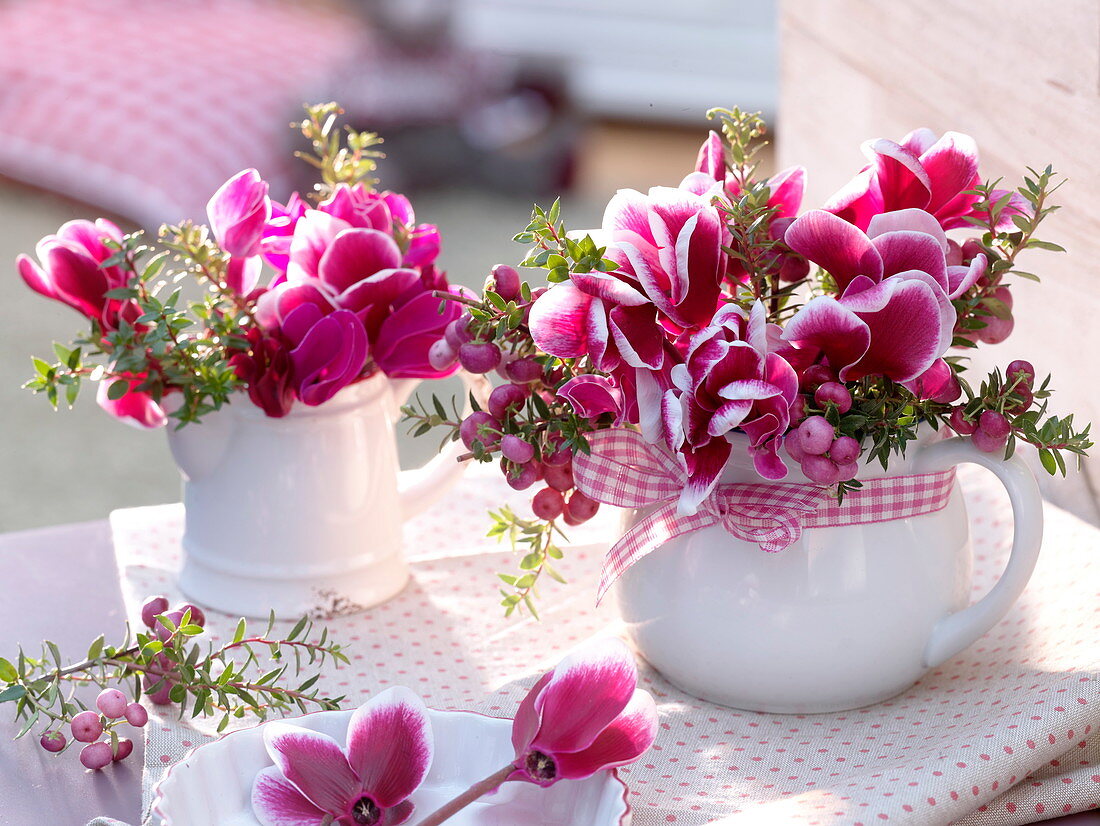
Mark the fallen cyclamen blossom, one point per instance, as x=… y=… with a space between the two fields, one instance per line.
x=585 y=716
x=134 y=407
x=68 y=270
x=921 y=171
x=368 y=783
x=238 y=213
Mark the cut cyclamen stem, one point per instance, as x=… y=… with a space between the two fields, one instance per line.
x=472 y=794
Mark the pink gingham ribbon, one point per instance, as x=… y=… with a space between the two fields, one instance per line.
x=626 y=471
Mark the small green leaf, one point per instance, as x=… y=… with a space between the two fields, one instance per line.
x=12 y=693
x=8 y=674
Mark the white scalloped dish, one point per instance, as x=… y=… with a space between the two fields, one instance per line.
x=213 y=784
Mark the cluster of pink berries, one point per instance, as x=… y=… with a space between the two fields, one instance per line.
x=824 y=457
x=990 y=430
x=113 y=708
x=523 y=463
x=157 y=687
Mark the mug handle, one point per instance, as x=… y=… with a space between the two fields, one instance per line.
x=421 y=488
x=956 y=631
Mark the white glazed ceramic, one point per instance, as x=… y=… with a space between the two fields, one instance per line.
x=302 y=514
x=844 y=617
x=213 y=784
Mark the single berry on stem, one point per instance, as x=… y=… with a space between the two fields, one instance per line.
x=86 y=726
x=442 y=355
x=1020 y=371
x=505 y=282
x=197 y=616
x=548 y=504
x=521 y=477
x=506 y=398
x=112 y=703
x=96 y=756
x=987 y=443
x=480 y=427
x=843 y=450
x=815 y=435
x=559 y=477
x=124 y=749
x=994 y=424
x=136 y=715
x=580 y=508
x=515 y=449
x=524 y=370
x=960 y=424
x=53 y=741
x=821 y=469
x=153 y=607
x=479 y=356
x=835 y=392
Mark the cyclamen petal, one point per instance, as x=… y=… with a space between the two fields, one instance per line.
x=135 y=408
x=704 y=465
x=277 y=802
x=787 y=188
x=528 y=716
x=827 y=324
x=834 y=244
x=314 y=763
x=314 y=232
x=904 y=250
x=712 y=157
x=916 y=220
x=952 y=165
x=238 y=212
x=589 y=689
x=901 y=179
x=390 y=745
x=355 y=254
x=630 y=736
x=960 y=279
x=591 y=396
x=559 y=320
x=330 y=356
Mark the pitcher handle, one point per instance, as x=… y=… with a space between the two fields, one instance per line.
x=423 y=487
x=956 y=631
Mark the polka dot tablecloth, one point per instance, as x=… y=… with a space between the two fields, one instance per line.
x=1004 y=734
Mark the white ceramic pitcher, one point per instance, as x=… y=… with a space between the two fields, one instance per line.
x=303 y=514
x=844 y=617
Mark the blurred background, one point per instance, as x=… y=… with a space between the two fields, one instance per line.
x=140 y=109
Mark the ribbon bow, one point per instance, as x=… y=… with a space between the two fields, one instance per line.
x=626 y=471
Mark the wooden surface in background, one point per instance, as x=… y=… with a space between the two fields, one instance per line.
x=1022 y=78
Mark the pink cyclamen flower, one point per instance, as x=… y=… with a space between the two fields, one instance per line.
x=68 y=270
x=894 y=315
x=367 y=783
x=668 y=243
x=921 y=171
x=402 y=336
x=591 y=396
x=330 y=351
x=238 y=213
x=731 y=379
x=585 y=716
x=279 y=231
x=135 y=407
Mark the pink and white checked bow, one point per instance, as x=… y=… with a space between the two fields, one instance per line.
x=625 y=470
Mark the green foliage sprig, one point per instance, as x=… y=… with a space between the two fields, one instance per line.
x=246 y=677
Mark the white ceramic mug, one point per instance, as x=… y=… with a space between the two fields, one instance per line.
x=303 y=514
x=844 y=617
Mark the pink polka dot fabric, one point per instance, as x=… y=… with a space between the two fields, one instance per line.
x=1004 y=734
